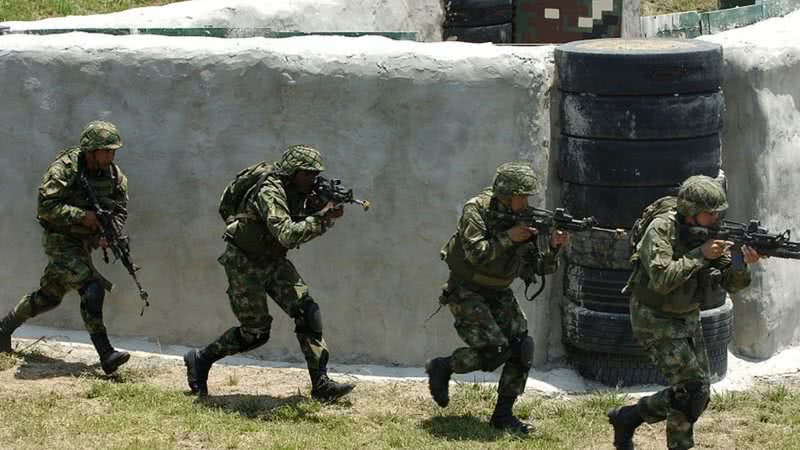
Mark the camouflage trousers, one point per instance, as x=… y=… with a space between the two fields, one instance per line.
x=69 y=268
x=677 y=349
x=487 y=321
x=249 y=283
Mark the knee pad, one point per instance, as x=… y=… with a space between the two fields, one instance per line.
x=522 y=351
x=250 y=341
x=310 y=319
x=93 y=294
x=691 y=398
x=494 y=357
x=41 y=302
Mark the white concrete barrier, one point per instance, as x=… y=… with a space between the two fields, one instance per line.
x=760 y=145
x=415 y=128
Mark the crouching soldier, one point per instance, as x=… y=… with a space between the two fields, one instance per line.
x=671 y=275
x=266 y=210
x=484 y=257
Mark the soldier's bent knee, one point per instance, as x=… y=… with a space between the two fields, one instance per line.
x=691 y=398
x=309 y=321
x=93 y=294
x=493 y=357
x=249 y=340
x=41 y=302
x=522 y=348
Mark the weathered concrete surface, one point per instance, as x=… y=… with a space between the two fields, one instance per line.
x=423 y=16
x=631 y=18
x=415 y=128
x=760 y=157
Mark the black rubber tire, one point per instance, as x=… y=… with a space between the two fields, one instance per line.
x=613 y=207
x=597 y=289
x=601 y=289
x=618 y=67
x=498 y=34
x=603 y=332
x=642 y=118
x=633 y=370
x=599 y=162
x=477 y=13
x=598 y=249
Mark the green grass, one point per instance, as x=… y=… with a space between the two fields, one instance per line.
x=109 y=414
x=40 y=9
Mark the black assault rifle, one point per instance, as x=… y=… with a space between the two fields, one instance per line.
x=753 y=235
x=118 y=244
x=332 y=191
x=545 y=221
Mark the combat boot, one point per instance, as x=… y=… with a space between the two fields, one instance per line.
x=198 y=364
x=110 y=359
x=625 y=421
x=438 y=370
x=8 y=324
x=503 y=418
x=326 y=390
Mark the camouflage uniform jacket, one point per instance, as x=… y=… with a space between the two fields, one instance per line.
x=62 y=203
x=674 y=277
x=481 y=251
x=282 y=217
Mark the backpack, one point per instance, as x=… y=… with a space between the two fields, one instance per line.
x=246 y=181
x=657 y=208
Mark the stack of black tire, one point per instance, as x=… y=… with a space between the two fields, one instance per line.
x=478 y=21
x=637 y=118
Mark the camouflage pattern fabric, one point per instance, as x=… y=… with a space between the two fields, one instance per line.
x=99 y=134
x=480 y=249
x=515 y=178
x=299 y=157
x=249 y=284
x=553 y=21
x=267 y=228
x=61 y=205
x=676 y=347
x=261 y=268
x=700 y=193
x=487 y=318
x=673 y=276
x=487 y=323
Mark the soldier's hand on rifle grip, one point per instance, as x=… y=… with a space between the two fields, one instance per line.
x=522 y=233
x=750 y=255
x=89 y=220
x=334 y=212
x=714 y=248
x=558 y=239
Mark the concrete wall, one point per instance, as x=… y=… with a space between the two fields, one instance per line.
x=760 y=156
x=415 y=128
x=422 y=16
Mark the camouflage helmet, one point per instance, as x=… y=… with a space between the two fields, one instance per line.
x=300 y=157
x=99 y=134
x=701 y=193
x=515 y=178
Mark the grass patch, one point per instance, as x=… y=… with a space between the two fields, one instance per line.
x=656 y=7
x=40 y=9
x=108 y=414
x=7 y=361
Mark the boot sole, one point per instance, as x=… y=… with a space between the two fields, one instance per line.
x=122 y=360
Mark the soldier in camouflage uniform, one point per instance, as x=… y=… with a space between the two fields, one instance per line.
x=71 y=233
x=274 y=217
x=668 y=284
x=484 y=257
